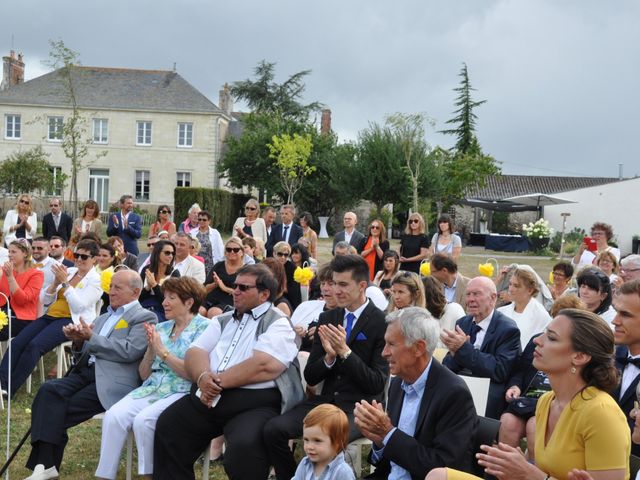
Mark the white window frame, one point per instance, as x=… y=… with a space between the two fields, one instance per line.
x=101 y=130
x=144 y=193
x=57 y=122
x=185 y=133
x=99 y=187
x=56 y=172
x=144 y=131
x=183 y=178
x=11 y=120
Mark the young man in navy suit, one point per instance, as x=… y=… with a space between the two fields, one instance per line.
x=346 y=356
x=431 y=420
x=56 y=222
x=485 y=343
x=287 y=231
x=126 y=224
x=627 y=336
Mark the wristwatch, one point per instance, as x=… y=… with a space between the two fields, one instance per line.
x=345 y=355
x=64 y=284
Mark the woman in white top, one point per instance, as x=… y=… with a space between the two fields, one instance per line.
x=445 y=241
x=251 y=225
x=608 y=263
x=446 y=313
x=594 y=289
x=89 y=220
x=602 y=233
x=22 y=221
x=528 y=313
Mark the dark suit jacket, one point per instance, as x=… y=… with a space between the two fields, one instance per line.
x=626 y=402
x=496 y=358
x=364 y=374
x=64 y=228
x=445 y=427
x=277 y=235
x=129 y=235
x=357 y=240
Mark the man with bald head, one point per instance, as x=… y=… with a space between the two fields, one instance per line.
x=107 y=369
x=349 y=235
x=485 y=343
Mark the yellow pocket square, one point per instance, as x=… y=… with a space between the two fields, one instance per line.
x=122 y=323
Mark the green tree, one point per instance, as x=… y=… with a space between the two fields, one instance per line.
x=291 y=155
x=379 y=172
x=409 y=132
x=75 y=141
x=26 y=172
x=264 y=95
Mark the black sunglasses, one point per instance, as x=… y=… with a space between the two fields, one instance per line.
x=243 y=287
x=282 y=254
x=165 y=211
x=414 y=220
x=232 y=249
x=83 y=256
x=168 y=252
x=203 y=219
x=250 y=208
x=26 y=202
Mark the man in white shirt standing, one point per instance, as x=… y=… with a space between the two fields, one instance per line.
x=350 y=235
x=185 y=263
x=240 y=382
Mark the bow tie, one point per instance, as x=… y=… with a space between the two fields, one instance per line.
x=624 y=361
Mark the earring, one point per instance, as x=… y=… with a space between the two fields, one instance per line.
x=573 y=370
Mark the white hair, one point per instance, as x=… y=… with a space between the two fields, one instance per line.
x=416 y=324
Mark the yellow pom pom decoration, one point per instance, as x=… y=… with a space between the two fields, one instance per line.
x=4 y=320
x=105 y=279
x=550 y=277
x=489 y=268
x=425 y=269
x=303 y=275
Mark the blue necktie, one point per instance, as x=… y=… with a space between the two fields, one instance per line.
x=475 y=328
x=284 y=234
x=350 y=318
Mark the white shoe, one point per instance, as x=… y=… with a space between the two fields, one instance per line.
x=41 y=473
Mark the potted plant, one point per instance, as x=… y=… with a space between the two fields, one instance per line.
x=538 y=234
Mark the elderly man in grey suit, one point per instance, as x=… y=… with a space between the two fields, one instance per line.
x=350 y=235
x=107 y=370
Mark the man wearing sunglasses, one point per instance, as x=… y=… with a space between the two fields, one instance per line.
x=626 y=333
x=56 y=222
x=57 y=246
x=242 y=378
x=126 y=224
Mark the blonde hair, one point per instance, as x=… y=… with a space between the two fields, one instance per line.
x=413 y=283
x=421 y=223
x=29 y=206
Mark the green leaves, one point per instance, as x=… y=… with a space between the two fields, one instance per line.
x=27 y=171
x=291 y=155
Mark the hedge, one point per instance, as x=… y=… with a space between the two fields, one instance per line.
x=223 y=206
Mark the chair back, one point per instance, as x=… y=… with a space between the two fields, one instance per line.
x=479 y=388
x=486 y=434
x=439 y=353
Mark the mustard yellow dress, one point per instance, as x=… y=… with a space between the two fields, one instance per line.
x=591 y=434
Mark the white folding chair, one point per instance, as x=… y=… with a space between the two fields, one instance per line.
x=479 y=388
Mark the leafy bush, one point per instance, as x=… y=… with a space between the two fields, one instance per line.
x=223 y=206
x=572 y=240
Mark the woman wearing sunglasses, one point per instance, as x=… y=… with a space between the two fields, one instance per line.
x=375 y=245
x=21 y=221
x=251 y=225
x=161 y=267
x=163 y=222
x=21 y=282
x=414 y=244
x=219 y=283
x=73 y=295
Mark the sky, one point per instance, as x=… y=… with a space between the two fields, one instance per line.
x=560 y=78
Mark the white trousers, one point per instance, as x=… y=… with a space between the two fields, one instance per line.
x=119 y=419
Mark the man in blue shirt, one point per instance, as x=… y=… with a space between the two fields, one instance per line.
x=431 y=420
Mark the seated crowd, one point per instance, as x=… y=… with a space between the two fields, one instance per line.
x=198 y=343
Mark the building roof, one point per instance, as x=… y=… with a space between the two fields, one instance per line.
x=113 y=89
x=499 y=187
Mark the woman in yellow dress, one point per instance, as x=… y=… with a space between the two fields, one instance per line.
x=578 y=424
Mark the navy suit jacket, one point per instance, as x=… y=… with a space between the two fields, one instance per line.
x=357 y=240
x=364 y=373
x=129 y=235
x=496 y=358
x=626 y=402
x=277 y=235
x=64 y=228
x=445 y=427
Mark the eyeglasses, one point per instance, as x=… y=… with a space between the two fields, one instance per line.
x=559 y=274
x=243 y=287
x=150 y=244
x=282 y=254
x=232 y=249
x=165 y=211
x=168 y=253
x=54 y=246
x=250 y=208
x=414 y=220
x=52 y=205
x=597 y=233
x=26 y=202
x=203 y=219
x=630 y=270
x=83 y=256
x=39 y=248
x=375 y=227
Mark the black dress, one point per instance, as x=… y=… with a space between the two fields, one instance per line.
x=216 y=297
x=152 y=299
x=410 y=246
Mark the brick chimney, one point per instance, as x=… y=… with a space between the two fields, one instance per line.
x=325 y=122
x=226 y=100
x=12 y=70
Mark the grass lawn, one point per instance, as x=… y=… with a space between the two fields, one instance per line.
x=81 y=456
